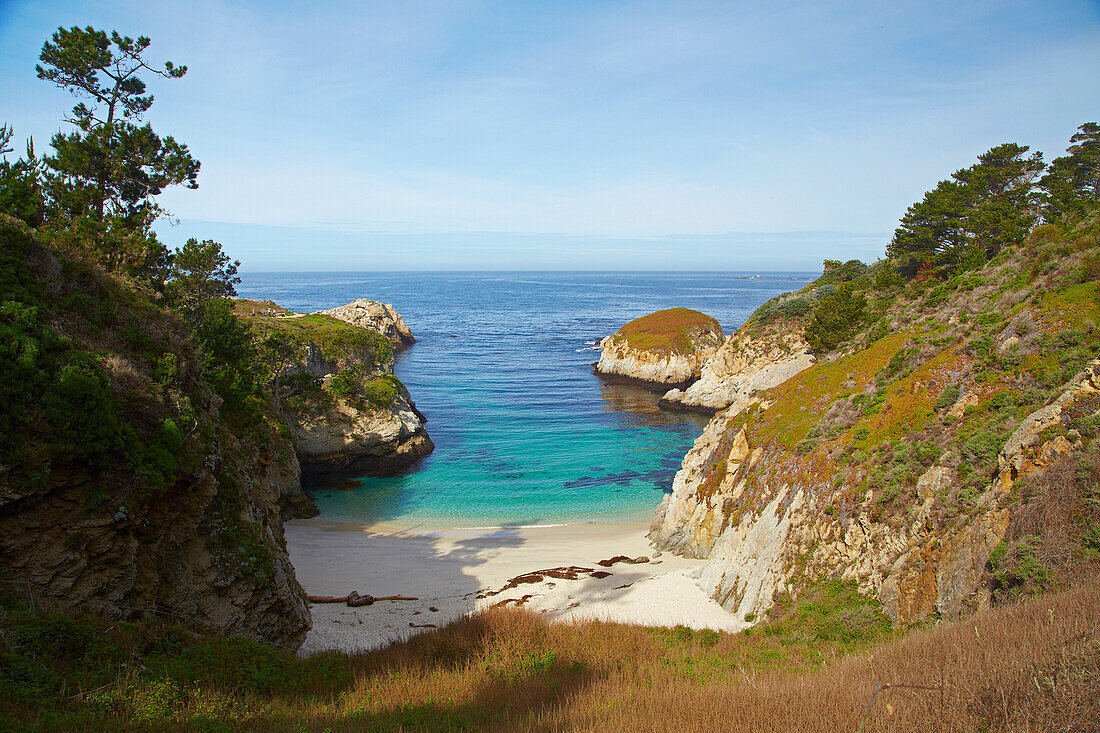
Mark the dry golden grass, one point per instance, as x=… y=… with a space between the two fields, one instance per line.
x=1034 y=666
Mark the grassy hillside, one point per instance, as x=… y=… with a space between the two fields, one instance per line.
x=900 y=430
x=880 y=408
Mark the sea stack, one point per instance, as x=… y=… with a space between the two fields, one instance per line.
x=661 y=350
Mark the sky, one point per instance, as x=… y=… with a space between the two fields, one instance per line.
x=574 y=135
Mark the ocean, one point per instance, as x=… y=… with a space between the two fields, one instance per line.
x=525 y=433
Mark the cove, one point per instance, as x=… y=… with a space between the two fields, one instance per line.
x=525 y=434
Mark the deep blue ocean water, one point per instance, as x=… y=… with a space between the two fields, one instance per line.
x=525 y=433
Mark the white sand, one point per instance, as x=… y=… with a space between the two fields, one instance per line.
x=446 y=569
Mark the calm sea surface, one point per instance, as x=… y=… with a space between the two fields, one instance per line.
x=525 y=433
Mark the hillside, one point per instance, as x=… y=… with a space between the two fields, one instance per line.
x=909 y=457
x=128 y=485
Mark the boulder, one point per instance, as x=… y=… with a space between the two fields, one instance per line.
x=378 y=317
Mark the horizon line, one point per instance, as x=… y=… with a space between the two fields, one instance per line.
x=708 y=271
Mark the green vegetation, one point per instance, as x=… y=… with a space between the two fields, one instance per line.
x=836 y=319
x=60 y=406
x=966 y=220
x=1072 y=183
x=200 y=272
x=671 y=331
x=358 y=384
x=21 y=194
x=335 y=339
x=103 y=178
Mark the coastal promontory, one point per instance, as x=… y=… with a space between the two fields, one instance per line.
x=345 y=408
x=663 y=349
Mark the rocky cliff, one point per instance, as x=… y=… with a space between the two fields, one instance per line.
x=349 y=434
x=345 y=408
x=374 y=316
x=128 y=487
x=663 y=349
x=749 y=361
x=897 y=460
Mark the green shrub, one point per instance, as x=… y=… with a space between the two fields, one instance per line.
x=346 y=383
x=947 y=398
x=381 y=390
x=836 y=319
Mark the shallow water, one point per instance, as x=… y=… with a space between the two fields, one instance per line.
x=525 y=433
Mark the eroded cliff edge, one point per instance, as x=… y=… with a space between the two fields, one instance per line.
x=914 y=456
x=660 y=350
x=750 y=360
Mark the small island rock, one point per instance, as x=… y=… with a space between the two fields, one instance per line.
x=664 y=349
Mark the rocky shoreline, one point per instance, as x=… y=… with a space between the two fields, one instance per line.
x=746 y=363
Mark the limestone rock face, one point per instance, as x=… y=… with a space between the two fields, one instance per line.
x=744 y=364
x=378 y=317
x=662 y=349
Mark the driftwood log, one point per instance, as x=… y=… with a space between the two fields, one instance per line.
x=355 y=600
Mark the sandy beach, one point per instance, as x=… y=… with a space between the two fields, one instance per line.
x=452 y=572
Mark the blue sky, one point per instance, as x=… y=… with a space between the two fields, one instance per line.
x=575 y=135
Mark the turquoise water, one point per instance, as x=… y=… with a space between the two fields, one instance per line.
x=525 y=433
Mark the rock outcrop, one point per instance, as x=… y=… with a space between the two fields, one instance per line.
x=1032 y=446
x=664 y=349
x=203 y=553
x=374 y=316
x=349 y=413
x=342 y=435
x=747 y=362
